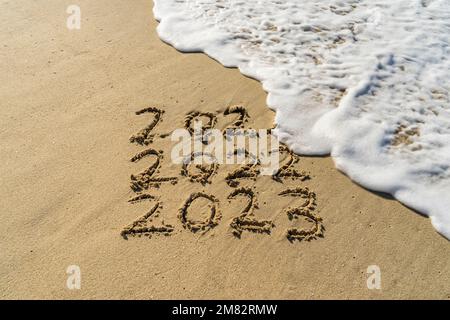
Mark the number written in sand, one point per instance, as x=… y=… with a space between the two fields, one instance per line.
x=211 y=220
x=304 y=210
x=246 y=220
x=248 y=170
x=242 y=118
x=143 y=226
x=286 y=170
x=147 y=178
x=145 y=136
x=205 y=169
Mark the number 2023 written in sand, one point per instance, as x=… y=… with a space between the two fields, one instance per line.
x=244 y=221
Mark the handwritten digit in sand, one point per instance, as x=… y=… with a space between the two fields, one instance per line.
x=210 y=222
x=146 y=178
x=205 y=171
x=242 y=113
x=305 y=210
x=286 y=170
x=142 y=225
x=144 y=136
x=246 y=171
x=246 y=220
x=193 y=116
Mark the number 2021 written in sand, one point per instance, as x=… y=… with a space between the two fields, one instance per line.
x=244 y=221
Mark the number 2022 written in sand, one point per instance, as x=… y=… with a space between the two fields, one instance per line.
x=244 y=221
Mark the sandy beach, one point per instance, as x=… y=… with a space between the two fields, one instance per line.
x=68 y=109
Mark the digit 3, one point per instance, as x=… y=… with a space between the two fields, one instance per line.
x=306 y=210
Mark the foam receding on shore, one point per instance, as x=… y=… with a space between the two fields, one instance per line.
x=365 y=81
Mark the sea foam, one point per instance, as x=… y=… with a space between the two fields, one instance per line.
x=366 y=81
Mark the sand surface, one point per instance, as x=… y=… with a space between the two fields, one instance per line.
x=68 y=103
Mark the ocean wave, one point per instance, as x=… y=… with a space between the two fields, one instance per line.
x=365 y=81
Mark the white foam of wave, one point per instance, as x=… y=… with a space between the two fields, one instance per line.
x=365 y=80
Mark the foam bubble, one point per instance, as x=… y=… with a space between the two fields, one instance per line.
x=366 y=81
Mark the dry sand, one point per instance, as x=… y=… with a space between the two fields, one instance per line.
x=68 y=103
